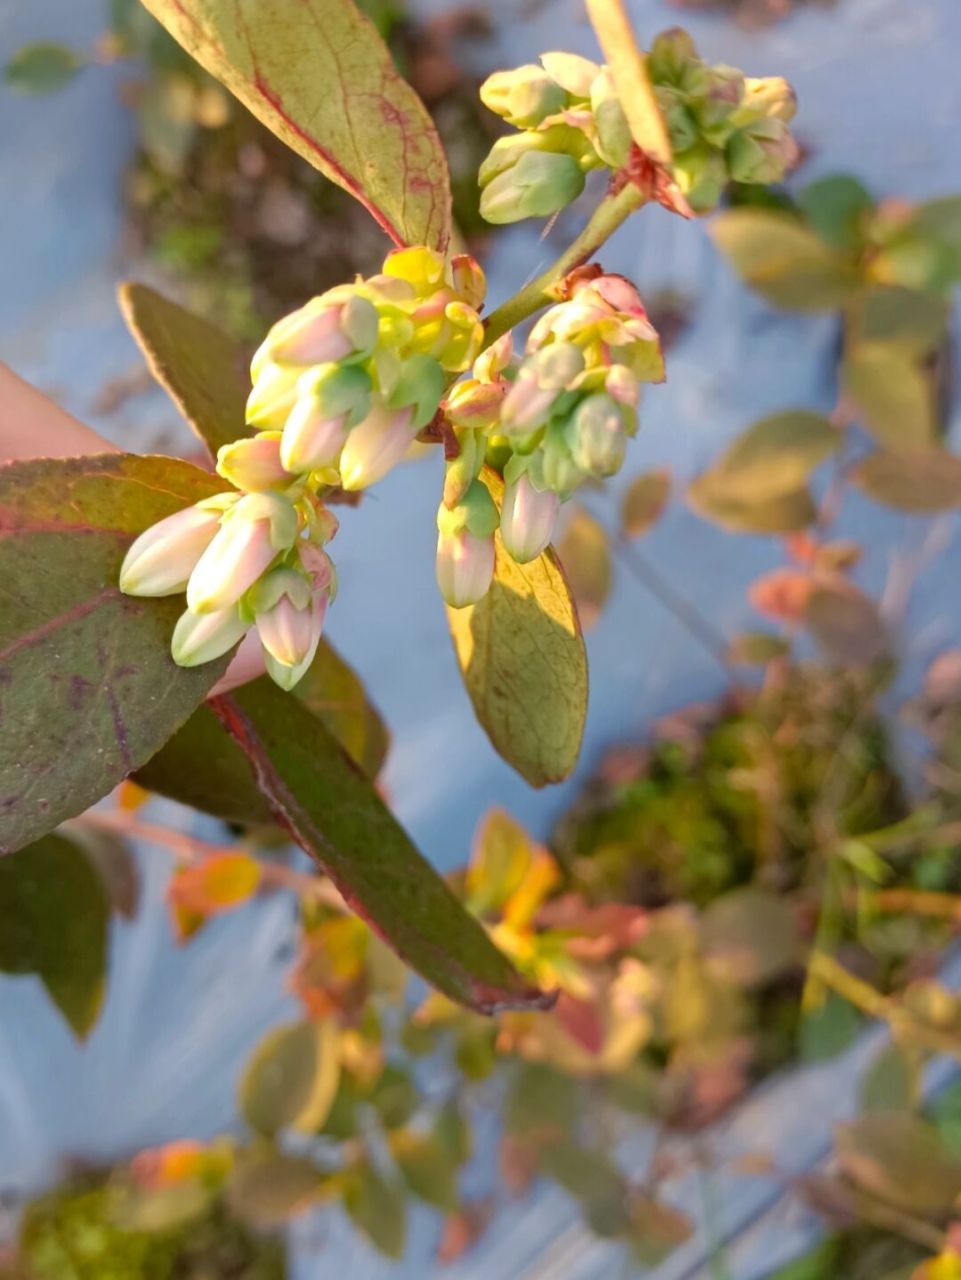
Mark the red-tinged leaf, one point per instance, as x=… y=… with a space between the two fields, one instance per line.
x=319 y=76
x=333 y=811
x=582 y=1022
x=782 y=594
x=201 y=369
x=88 y=689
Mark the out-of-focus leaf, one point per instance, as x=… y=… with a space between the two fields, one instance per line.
x=914 y=322
x=377 y=1207
x=786 y=513
x=845 y=622
x=644 y=502
x=115 y=862
x=291 y=1079
x=775 y=456
x=267 y=1188
x=757 y=648
x=332 y=810
x=220 y=883
x=900 y=1158
x=161 y=1208
x=585 y=553
x=325 y=83
x=595 y=1181
x=452 y=1131
x=426 y=1167
x=891 y=1081
x=919 y=480
x=655 y=1229
x=201 y=369
x=499 y=861
x=88 y=689
x=750 y=935
x=817 y=1265
x=42 y=68
x=893 y=394
x=394 y=1097
x=335 y=694
x=522 y=656
x=828 y=1029
x=542 y=1103
x=945 y=1113
x=785 y=261
x=53 y=922
x=941 y=219
x=629 y=70
x=836 y=208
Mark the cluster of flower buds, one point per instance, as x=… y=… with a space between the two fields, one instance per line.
x=722 y=125
x=340 y=389
x=560 y=416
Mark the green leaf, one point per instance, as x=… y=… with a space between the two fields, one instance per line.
x=452 y=1131
x=786 y=262
x=334 y=693
x=941 y=219
x=912 y=321
x=629 y=70
x=901 y=1159
x=202 y=370
x=836 y=207
x=377 y=1207
x=160 y=1208
x=820 y=1264
x=42 y=68
x=268 y=1188
x=542 y=1103
x=946 y=1115
x=891 y=1081
x=426 y=1168
x=590 y=1177
x=786 y=513
x=499 y=862
x=336 y=815
x=319 y=76
x=845 y=622
x=922 y=480
x=394 y=1097
x=88 y=689
x=291 y=1078
x=775 y=456
x=893 y=394
x=644 y=502
x=750 y=935
x=53 y=922
x=656 y=1228
x=522 y=656
x=585 y=554
x=828 y=1029
x=758 y=648
x=113 y=859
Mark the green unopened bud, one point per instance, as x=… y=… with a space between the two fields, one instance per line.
x=524 y=97
x=670 y=56
x=461 y=472
x=419 y=388
x=539 y=185
x=701 y=174
x=559 y=139
x=613 y=139
x=714 y=112
x=762 y=152
x=680 y=121
x=596 y=436
x=552 y=467
x=571 y=72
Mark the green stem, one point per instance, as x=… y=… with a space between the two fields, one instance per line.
x=607 y=217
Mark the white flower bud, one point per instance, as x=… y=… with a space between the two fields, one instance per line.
x=254 y=464
x=465 y=567
x=375 y=446
x=246 y=544
x=162 y=558
x=201 y=637
x=527 y=519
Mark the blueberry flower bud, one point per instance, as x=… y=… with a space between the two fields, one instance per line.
x=290 y=615
x=375 y=446
x=498 y=357
x=475 y=404
x=470 y=283
x=254 y=464
x=419 y=387
x=770 y=96
x=334 y=326
x=559 y=139
x=251 y=535
x=761 y=152
x=701 y=175
x=596 y=435
x=524 y=97
x=538 y=185
x=272 y=396
x=572 y=72
x=202 y=637
x=330 y=401
x=527 y=519
x=670 y=55
x=465 y=567
x=162 y=558
x=613 y=139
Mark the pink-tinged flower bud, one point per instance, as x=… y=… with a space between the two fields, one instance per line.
x=762 y=152
x=322 y=526
x=251 y=535
x=272 y=396
x=254 y=464
x=527 y=519
x=475 y=404
x=527 y=406
x=202 y=637
x=469 y=280
x=330 y=400
x=160 y=561
x=618 y=292
x=465 y=567
x=332 y=327
x=498 y=357
x=375 y=446
x=289 y=615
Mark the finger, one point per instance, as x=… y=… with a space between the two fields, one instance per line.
x=32 y=426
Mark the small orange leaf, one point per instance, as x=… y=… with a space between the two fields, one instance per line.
x=130 y=797
x=521 y=906
x=782 y=594
x=220 y=883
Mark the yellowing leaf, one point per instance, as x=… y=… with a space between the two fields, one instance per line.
x=785 y=513
x=499 y=861
x=585 y=553
x=522 y=656
x=291 y=1080
x=775 y=456
x=893 y=394
x=784 y=260
x=644 y=502
x=220 y=883
x=319 y=76
x=629 y=68
x=919 y=480
x=900 y=1158
x=268 y=1188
